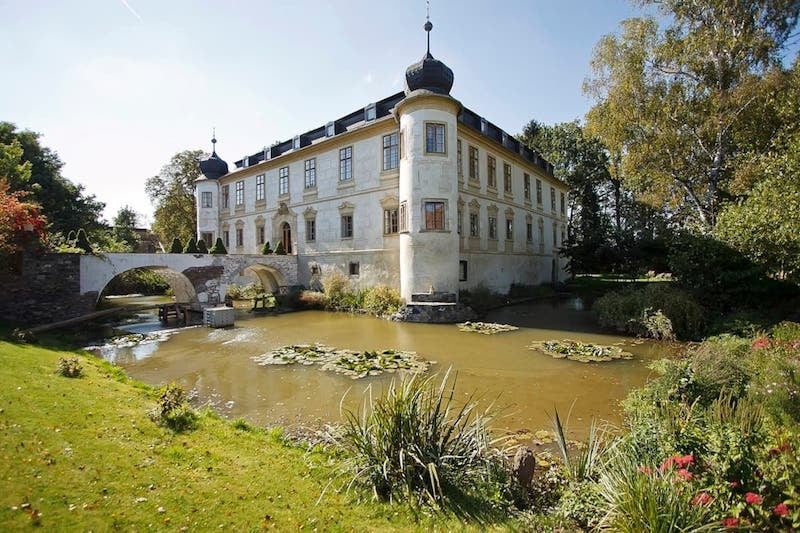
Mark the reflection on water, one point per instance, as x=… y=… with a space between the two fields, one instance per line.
x=526 y=384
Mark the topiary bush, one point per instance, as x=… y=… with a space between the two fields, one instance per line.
x=279 y=250
x=82 y=242
x=191 y=247
x=201 y=247
x=266 y=250
x=218 y=248
x=643 y=311
x=176 y=247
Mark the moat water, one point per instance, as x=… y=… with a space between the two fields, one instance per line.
x=217 y=365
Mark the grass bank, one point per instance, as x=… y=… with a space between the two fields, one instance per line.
x=81 y=454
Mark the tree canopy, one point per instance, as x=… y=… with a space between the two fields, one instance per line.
x=673 y=103
x=172 y=194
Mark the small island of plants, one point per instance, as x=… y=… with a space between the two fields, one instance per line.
x=486 y=328
x=580 y=351
x=356 y=364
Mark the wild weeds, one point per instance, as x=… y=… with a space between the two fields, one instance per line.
x=414 y=442
x=69 y=367
x=173 y=410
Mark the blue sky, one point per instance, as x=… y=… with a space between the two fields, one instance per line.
x=117 y=87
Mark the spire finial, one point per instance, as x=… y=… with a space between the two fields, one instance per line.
x=428 y=26
x=213 y=140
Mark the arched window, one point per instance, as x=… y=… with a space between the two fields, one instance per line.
x=286 y=235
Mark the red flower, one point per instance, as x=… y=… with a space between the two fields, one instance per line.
x=702 y=498
x=753 y=498
x=781 y=509
x=730 y=522
x=762 y=342
x=681 y=461
x=734 y=484
x=685 y=474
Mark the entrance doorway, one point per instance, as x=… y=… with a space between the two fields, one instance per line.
x=286 y=232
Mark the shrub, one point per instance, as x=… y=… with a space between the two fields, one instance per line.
x=218 y=248
x=382 y=301
x=266 y=250
x=519 y=290
x=481 y=299
x=173 y=411
x=243 y=292
x=414 y=442
x=69 y=367
x=642 y=311
x=176 y=247
x=201 y=247
x=191 y=247
x=313 y=300
x=279 y=250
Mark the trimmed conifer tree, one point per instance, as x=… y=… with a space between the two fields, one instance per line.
x=191 y=247
x=201 y=247
x=218 y=248
x=82 y=242
x=177 y=247
x=266 y=250
x=279 y=249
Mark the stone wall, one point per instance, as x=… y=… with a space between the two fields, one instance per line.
x=46 y=289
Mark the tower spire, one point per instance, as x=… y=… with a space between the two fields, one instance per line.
x=213 y=141
x=428 y=26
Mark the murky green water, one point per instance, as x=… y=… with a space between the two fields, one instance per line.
x=526 y=384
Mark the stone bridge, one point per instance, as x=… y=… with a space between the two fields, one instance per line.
x=46 y=288
x=194 y=278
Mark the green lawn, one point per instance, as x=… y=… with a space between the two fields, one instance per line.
x=82 y=454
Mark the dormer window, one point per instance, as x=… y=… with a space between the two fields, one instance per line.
x=245 y=161
x=370 y=112
x=484 y=126
x=296 y=142
x=330 y=129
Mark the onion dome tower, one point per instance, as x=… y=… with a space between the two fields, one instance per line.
x=207 y=196
x=428 y=184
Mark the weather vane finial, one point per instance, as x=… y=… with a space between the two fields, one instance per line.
x=213 y=140
x=428 y=26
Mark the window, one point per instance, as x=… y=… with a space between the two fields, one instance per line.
x=506 y=177
x=353 y=268
x=552 y=199
x=390 y=154
x=311 y=230
x=473 y=163
x=239 y=193
x=434 y=216
x=541 y=235
x=434 y=138
x=538 y=191
x=473 y=225
x=462 y=271
x=205 y=199
x=526 y=185
x=347 y=226
x=226 y=239
x=310 y=173
x=390 y=222
x=260 y=236
x=459 y=216
x=529 y=231
x=260 y=191
x=239 y=237
x=563 y=204
x=492 y=228
x=402 y=216
x=459 y=160
x=226 y=196
x=491 y=172
x=563 y=236
x=283 y=181
x=371 y=112
x=554 y=236
x=208 y=238
x=346 y=163
x=509 y=229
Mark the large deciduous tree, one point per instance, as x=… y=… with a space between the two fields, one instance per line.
x=172 y=193
x=671 y=101
x=124 y=227
x=64 y=203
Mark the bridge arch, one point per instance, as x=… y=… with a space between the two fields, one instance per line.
x=182 y=288
x=269 y=277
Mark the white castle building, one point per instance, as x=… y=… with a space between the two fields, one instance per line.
x=415 y=191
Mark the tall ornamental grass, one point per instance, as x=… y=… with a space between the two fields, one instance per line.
x=416 y=443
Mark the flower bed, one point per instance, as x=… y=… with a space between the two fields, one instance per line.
x=487 y=328
x=348 y=362
x=580 y=351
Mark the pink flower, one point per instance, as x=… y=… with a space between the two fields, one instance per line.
x=702 y=498
x=781 y=509
x=685 y=474
x=752 y=498
x=762 y=342
x=681 y=461
x=730 y=522
x=734 y=484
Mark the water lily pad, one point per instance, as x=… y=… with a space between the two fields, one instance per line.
x=580 y=351
x=348 y=362
x=486 y=328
